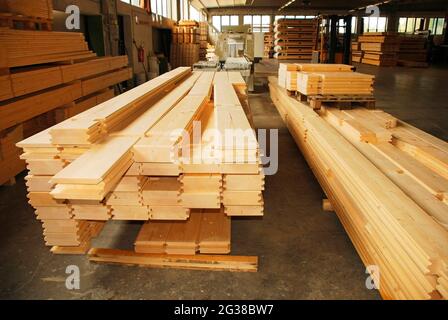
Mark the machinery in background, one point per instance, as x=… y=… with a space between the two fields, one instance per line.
x=334 y=45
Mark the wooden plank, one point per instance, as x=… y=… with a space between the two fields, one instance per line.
x=193 y=262
x=386 y=226
x=183 y=235
x=93 y=166
x=15 y=112
x=215 y=231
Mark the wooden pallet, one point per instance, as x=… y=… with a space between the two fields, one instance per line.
x=339 y=101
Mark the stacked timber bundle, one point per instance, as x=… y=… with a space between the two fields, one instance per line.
x=45 y=78
x=412 y=51
x=387 y=182
x=324 y=79
x=268 y=39
x=379 y=48
x=356 y=51
x=203 y=40
x=164 y=153
x=26 y=14
x=36 y=8
x=186 y=45
x=295 y=38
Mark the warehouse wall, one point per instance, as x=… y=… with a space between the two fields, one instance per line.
x=139 y=33
x=138 y=25
x=139 y=28
x=92 y=7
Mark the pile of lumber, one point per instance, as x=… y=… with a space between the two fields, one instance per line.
x=324 y=79
x=356 y=51
x=412 y=51
x=379 y=48
x=387 y=182
x=295 y=38
x=186 y=45
x=268 y=39
x=56 y=74
x=36 y=8
x=203 y=40
x=165 y=153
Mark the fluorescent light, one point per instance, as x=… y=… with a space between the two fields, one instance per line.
x=286 y=4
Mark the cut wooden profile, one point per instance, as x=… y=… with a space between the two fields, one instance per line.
x=193 y=262
x=326 y=205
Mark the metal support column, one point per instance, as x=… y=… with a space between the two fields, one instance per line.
x=347 y=45
x=333 y=39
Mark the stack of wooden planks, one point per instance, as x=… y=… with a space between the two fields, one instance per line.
x=387 y=182
x=324 y=79
x=186 y=44
x=268 y=39
x=295 y=38
x=203 y=40
x=356 y=51
x=177 y=152
x=56 y=74
x=412 y=51
x=36 y=8
x=379 y=48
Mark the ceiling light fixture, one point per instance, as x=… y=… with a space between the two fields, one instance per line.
x=376 y=4
x=286 y=4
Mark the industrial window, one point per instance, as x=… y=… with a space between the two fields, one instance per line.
x=436 y=25
x=216 y=22
x=375 y=24
x=341 y=25
x=410 y=25
x=183 y=8
x=137 y=3
x=195 y=14
x=258 y=23
x=160 y=7
x=293 y=17
x=221 y=21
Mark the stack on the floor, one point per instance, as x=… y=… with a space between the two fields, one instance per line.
x=379 y=48
x=164 y=153
x=203 y=40
x=26 y=14
x=36 y=8
x=268 y=38
x=47 y=77
x=356 y=51
x=412 y=51
x=387 y=182
x=185 y=47
x=324 y=79
x=295 y=38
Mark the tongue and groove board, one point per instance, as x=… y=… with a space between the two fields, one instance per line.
x=95 y=164
x=206 y=231
x=191 y=262
x=386 y=225
x=158 y=145
x=80 y=169
x=152 y=116
x=90 y=126
x=421 y=183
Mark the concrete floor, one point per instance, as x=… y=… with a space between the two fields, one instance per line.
x=304 y=252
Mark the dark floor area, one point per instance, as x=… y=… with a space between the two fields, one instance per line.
x=304 y=252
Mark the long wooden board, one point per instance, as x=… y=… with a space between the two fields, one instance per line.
x=193 y=262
